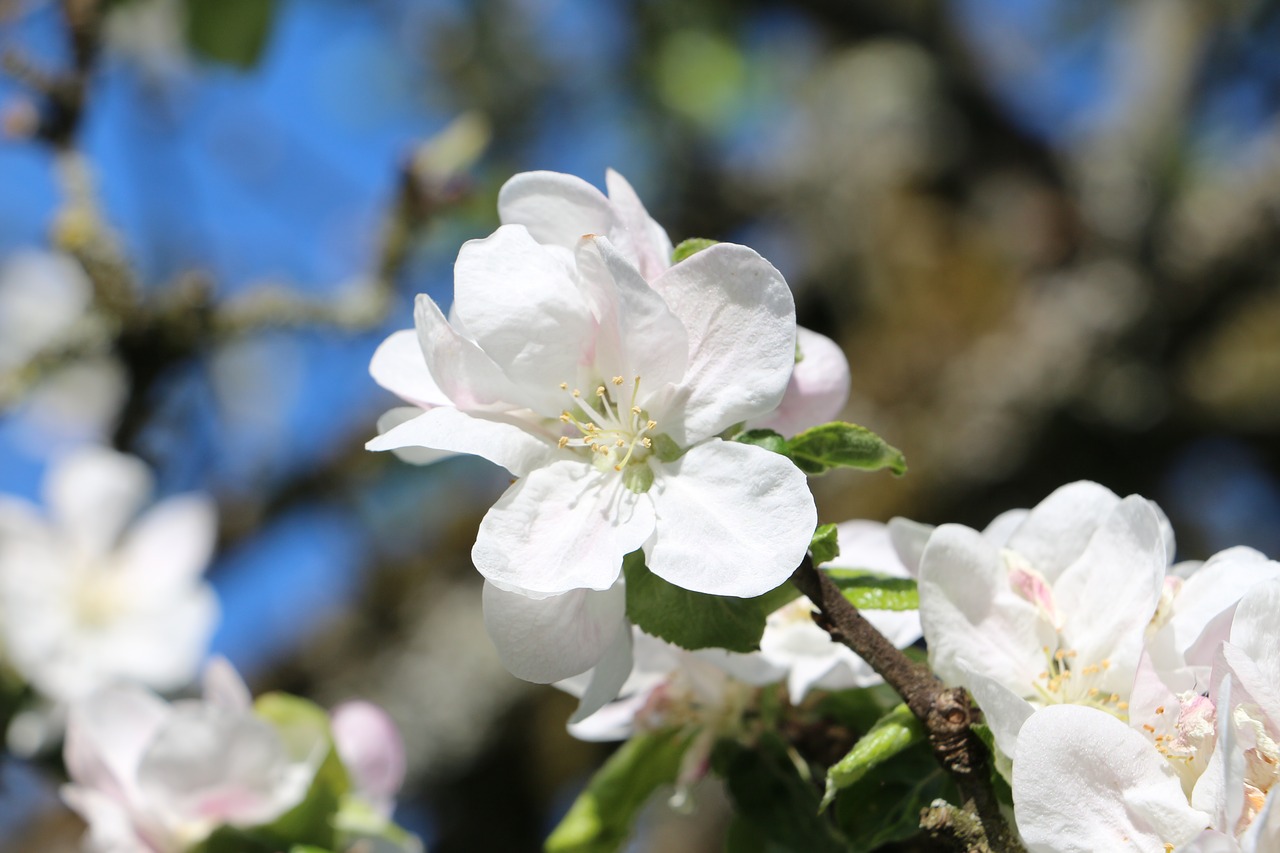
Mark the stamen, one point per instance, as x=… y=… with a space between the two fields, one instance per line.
x=618 y=380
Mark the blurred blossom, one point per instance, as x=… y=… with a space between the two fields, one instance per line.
x=152 y=34
x=43 y=295
x=372 y=750
x=89 y=595
x=153 y=777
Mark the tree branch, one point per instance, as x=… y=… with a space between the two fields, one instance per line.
x=946 y=712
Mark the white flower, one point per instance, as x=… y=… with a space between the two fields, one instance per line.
x=1058 y=615
x=87 y=598
x=150 y=777
x=606 y=394
x=42 y=296
x=372 y=751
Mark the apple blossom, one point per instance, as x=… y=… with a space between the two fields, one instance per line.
x=150 y=777
x=42 y=296
x=372 y=750
x=1057 y=615
x=86 y=597
x=606 y=396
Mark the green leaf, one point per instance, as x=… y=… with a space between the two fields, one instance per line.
x=842 y=445
x=766 y=438
x=870 y=591
x=859 y=708
x=600 y=820
x=824 y=546
x=770 y=794
x=892 y=733
x=231 y=31
x=1001 y=764
x=884 y=806
x=691 y=247
x=691 y=620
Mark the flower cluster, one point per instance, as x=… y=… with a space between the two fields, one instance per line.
x=1135 y=699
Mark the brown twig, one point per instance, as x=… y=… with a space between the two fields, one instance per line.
x=946 y=713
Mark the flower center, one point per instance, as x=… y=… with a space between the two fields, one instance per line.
x=97 y=598
x=1066 y=682
x=615 y=433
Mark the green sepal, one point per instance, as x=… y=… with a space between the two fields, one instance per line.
x=691 y=620
x=234 y=32
x=824 y=546
x=870 y=591
x=1001 y=764
x=666 y=449
x=842 y=445
x=600 y=820
x=892 y=733
x=690 y=247
x=772 y=793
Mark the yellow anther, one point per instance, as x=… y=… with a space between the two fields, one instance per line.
x=651 y=425
x=566 y=417
x=635 y=410
x=1150 y=729
x=618 y=380
x=600 y=392
x=564 y=441
x=619 y=443
x=1114 y=698
x=564 y=386
x=1160 y=709
x=577 y=393
x=1059 y=655
x=1105 y=664
x=1093 y=691
x=647 y=442
x=1123 y=706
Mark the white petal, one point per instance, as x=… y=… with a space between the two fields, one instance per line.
x=391 y=419
x=868 y=545
x=1264 y=833
x=1212 y=841
x=525 y=311
x=399 y=366
x=1003 y=526
x=1004 y=710
x=168 y=548
x=1084 y=782
x=607 y=677
x=556 y=209
x=733 y=519
x=638 y=335
x=1107 y=596
x=464 y=373
x=1057 y=530
x=111 y=826
x=817 y=390
x=741 y=322
x=647 y=242
x=909 y=538
x=1215 y=586
x=556 y=637
x=107 y=734
x=223 y=686
x=970 y=612
x=494 y=437
x=566 y=526
x=1256 y=631
x=615 y=721
x=93 y=492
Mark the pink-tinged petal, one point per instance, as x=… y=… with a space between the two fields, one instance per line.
x=92 y=494
x=223 y=686
x=868 y=545
x=1264 y=833
x=741 y=322
x=1219 y=792
x=608 y=676
x=647 y=242
x=817 y=390
x=107 y=734
x=1084 y=782
x=969 y=612
x=391 y=419
x=494 y=437
x=1005 y=711
x=1108 y=595
x=169 y=547
x=615 y=721
x=111 y=826
x=399 y=365
x=463 y=372
x=371 y=749
x=638 y=335
x=546 y=639
x=556 y=209
x=525 y=311
x=1056 y=532
x=563 y=527
x=733 y=519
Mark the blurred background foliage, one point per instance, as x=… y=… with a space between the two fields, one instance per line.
x=1044 y=231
